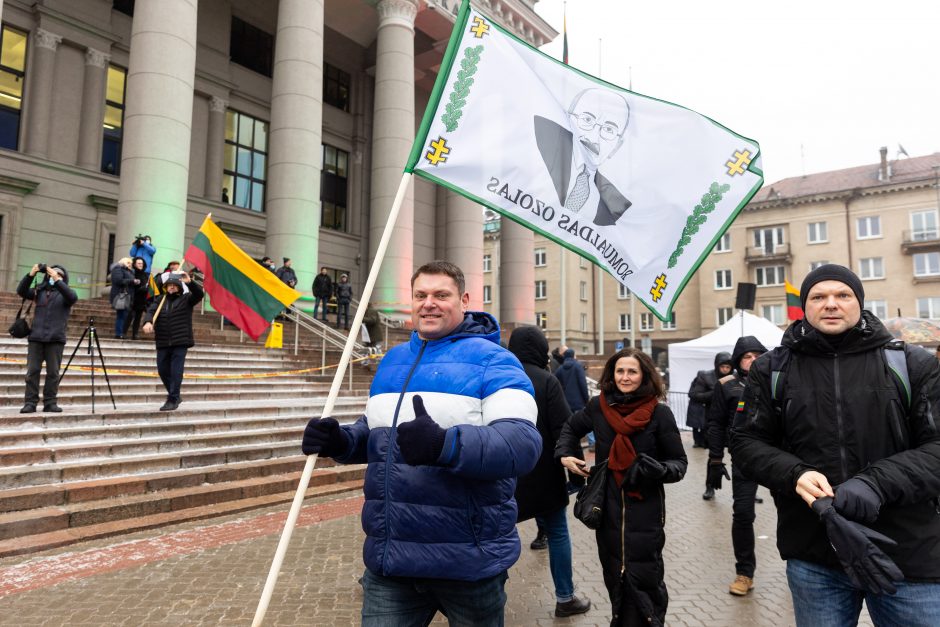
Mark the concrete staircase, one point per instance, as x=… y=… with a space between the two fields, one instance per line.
x=233 y=444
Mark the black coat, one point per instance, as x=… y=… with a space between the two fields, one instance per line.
x=322 y=286
x=174 y=325
x=343 y=292
x=727 y=393
x=52 y=305
x=287 y=275
x=644 y=599
x=700 y=393
x=121 y=279
x=141 y=290
x=544 y=490
x=841 y=415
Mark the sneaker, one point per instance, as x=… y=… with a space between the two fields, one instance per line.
x=741 y=585
x=540 y=542
x=572 y=607
x=52 y=407
x=28 y=408
x=709 y=493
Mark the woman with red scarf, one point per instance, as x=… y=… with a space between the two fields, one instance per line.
x=640 y=441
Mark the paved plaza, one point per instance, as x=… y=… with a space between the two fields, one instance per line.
x=212 y=572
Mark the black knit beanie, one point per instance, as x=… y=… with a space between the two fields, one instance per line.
x=832 y=272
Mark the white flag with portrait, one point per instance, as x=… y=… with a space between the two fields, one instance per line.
x=641 y=187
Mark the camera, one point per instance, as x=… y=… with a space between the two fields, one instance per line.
x=41 y=267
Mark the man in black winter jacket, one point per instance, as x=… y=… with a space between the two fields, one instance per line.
x=724 y=406
x=839 y=426
x=322 y=291
x=700 y=399
x=53 y=300
x=170 y=318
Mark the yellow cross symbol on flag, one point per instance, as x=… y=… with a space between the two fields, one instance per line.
x=440 y=151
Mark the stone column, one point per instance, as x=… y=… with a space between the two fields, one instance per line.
x=93 y=96
x=464 y=224
x=294 y=157
x=42 y=76
x=517 y=275
x=158 y=127
x=392 y=135
x=215 y=150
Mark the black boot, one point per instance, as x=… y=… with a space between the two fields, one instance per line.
x=572 y=607
x=709 y=493
x=540 y=542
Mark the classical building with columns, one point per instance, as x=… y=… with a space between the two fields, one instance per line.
x=289 y=121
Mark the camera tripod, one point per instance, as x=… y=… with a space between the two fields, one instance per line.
x=93 y=344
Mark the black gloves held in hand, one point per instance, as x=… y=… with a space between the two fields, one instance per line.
x=865 y=564
x=324 y=437
x=644 y=468
x=716 y=470
x=421 y=440
x=856 y=499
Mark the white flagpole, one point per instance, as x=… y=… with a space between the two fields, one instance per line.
x=331 y=399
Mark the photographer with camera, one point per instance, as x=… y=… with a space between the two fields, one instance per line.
x=141 y=247
x=53 y=299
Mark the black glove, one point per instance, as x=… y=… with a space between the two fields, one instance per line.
x=857 y=500
x=421 y=440
x=716 y=470
x=324 y=437
x=645 y=468
x=865 y=564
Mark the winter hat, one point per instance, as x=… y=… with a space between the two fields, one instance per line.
x=831 y=272
x=286 y=259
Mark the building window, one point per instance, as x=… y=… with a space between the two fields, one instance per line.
x=768 y=239
x=818 y=232
x=582 y=290
x=924 y=225
x=336 y=87
x=584 y=322
x=541 y=290
x=541 y=319
x=246 y=155
x=624 y=322
x=877 y=307
x=124 y=6
x=868 y=227
x=623 y=292
x=113 y=120
x=927 y=264
x=487 y=263
x=769 y=275
x=251 y=47
x=646 y=322
x=540 y=258
x=12 y=76
x=928 y=307
x=723 y=280
x=333 y=189
x=774 y=313
x=723 y=314
x=724 y=243
x=871 y=268
x=669 y=325
x=487 y=294
x=815 y=264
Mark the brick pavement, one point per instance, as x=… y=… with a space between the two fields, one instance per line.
x=212 y=573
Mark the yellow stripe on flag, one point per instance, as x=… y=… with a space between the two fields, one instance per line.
x=790 y=289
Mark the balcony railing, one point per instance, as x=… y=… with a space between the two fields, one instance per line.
x=918 y=240
x=760 y=254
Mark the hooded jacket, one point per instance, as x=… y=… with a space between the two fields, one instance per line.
x=841 y=414
x=700 y=393
x=725 y=397
x=573 y=381
x=51 y=308
x=544 y=490
x=343 y=291
x=456 y=518
x=174 y=326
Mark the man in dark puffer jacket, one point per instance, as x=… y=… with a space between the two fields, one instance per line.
x=170 y=317
x=840 y=429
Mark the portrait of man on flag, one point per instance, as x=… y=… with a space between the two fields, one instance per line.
x=573 y=155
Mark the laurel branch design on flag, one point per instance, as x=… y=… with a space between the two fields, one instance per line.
x=458 y=98
x=699 y=216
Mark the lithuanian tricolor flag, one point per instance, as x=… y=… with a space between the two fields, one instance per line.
x=794 y=311
x=240 y=288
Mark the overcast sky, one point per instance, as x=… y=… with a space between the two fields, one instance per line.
x=839 y=78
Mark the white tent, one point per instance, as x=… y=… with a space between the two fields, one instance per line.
x=687 y=358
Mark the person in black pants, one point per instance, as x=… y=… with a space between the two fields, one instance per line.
x=170 y=319
x=141 y=289
x=343 y=298
x=724 y=406
x=53 y=300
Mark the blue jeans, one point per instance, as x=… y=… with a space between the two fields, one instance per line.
x=170 y=363
x=413 y=602
x=823 y=597
x=555 y=526
x=317 y=301
x=120 y=322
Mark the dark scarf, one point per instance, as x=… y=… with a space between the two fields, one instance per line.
x=626 y=415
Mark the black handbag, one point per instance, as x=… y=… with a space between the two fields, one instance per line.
x=20 y=326
x=589 y=504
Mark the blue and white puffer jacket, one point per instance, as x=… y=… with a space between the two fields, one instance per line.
x=455 y=519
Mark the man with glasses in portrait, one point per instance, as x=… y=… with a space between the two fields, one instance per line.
x=599 y=118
